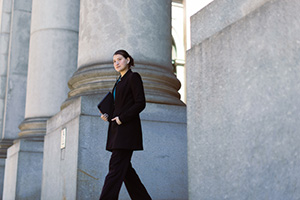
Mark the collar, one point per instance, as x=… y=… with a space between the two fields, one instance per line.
x=125 y=75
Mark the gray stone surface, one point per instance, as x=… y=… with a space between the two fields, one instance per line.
x=2 y=167
x=15 y=30
x=243 y=108
x=49 y=69
x=80 y=173
x=53 y=55
x=145 y=34
x=23 y=182
x=52 y=60
x=206 y=22
x=5 y=16
x=60 y=166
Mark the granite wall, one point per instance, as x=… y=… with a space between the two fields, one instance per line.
x=243 y=106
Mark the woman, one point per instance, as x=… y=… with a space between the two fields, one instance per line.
x=125 y=131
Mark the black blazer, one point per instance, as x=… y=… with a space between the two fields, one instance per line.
x=129 y=102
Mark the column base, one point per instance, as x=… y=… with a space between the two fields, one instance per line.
x=161 y=85
x=4 y=145
x=79 y=169
x=2 y=167
x=23 y=170
x=33 y=127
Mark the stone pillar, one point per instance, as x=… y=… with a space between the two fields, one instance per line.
x=243 y=101
x=23 y=170
x=143 y=28
x=16 y=71
x=5 y=12
x=52 y=61
x=15 y=32
x=17 y=68
x=147 y=39
x=2 y=168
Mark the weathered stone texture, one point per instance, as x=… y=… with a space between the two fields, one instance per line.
x=79 y=170
x=244 y=107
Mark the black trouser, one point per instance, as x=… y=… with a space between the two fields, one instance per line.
x=120 y=170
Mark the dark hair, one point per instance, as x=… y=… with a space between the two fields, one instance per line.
x=126 y=55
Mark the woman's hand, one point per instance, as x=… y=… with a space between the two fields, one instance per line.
x=117 y=120
x=104 y=117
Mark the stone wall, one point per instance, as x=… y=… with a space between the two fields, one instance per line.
x=243 y=106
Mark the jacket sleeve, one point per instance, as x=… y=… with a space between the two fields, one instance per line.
x=137 y=88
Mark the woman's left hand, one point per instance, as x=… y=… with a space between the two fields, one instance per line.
x=117 y=120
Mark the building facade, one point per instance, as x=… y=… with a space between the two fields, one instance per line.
x=243 y=105
x=236 y=139
x=56 y=64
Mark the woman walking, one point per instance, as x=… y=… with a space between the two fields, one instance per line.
x=125 y=131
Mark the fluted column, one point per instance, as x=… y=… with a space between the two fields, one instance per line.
x=143 y=28
x=52 y=61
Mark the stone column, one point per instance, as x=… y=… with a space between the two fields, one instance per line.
x=143 y=28
x=16 y=70
x=52 y=61
x=5 y=12
x=147 y=39
x=15 y=32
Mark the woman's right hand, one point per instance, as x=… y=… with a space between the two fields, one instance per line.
x=104 y=117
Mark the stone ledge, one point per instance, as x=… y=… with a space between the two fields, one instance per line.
x=218 y=15
x=26 y=145
x=4 y=145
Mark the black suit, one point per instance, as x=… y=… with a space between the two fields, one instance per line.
x=123 y=139
x=129 y=102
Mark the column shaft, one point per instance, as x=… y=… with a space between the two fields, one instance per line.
x=143 y=28
x=5 y=13
x=52 y=60
x=17 y=66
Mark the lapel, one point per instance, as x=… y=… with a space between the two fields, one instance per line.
x=122 y=81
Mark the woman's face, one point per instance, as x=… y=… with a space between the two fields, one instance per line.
x=120 y=63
